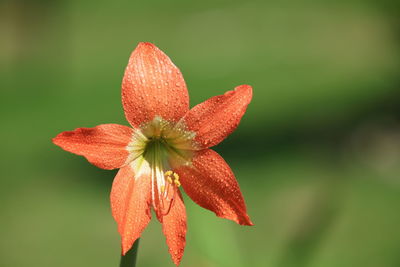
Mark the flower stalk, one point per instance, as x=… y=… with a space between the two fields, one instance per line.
x=129 y=259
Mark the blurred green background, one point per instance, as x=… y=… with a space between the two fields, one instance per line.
x=317 y=154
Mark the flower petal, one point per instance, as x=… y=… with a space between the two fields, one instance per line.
x=103 y=145
x=217 y=117
x=210 y=182
x=174 y=228
x=153 y=85
x=130 y=205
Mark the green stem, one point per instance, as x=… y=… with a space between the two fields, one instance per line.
x=129 y=260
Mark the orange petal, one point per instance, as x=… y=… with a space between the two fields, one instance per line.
x=217 y=117
x=130 y=205
x=174 y=228
x=103 y=145
x=153 y=85
x=211 y=183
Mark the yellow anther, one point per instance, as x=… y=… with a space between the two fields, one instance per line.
x=172 y=177
x=169 y=179
x=162 y=189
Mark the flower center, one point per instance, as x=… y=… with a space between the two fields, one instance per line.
x=156 y=149
x=166 y=144
x=156 y=152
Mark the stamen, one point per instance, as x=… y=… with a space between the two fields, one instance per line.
x=172 y=177
x=169 y=179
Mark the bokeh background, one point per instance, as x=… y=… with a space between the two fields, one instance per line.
x=317 y=154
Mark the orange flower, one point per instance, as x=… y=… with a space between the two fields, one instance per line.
x=166 y=147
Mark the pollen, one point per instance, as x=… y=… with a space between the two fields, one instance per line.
x=172 y=178
x=169 y=179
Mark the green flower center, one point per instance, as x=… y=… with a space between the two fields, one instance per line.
x=159 y=146
x=156 y=152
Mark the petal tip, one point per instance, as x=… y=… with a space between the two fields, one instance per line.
x=57 y=140
x=124 y=252
x=244 y=86
x=54 y=140
x=145 y=45
x=248 y=222
x=246 y=89
x=126 y=246
x=177 y=258
x=245 y=220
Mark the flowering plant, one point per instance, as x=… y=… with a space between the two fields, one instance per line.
x=166 y=147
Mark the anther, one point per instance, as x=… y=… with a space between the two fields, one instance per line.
x=169 y=179
x=172 y=177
